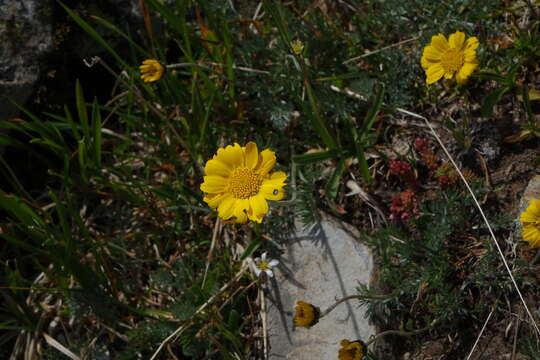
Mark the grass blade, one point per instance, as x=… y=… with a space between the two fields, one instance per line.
x=316 y=157
x=81 y=110
x=93 y=33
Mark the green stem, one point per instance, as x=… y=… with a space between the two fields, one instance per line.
x=400 y=333
x=347 y=298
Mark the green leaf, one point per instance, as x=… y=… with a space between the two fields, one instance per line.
x=315 y=157
x=527 y=105
x=11 y=177
x=81 y=109
x=485 y=75
x=96 y=127
x=15 y=206
x=493 y=98
x=115 y=29
x=93 y=33
x=373 y=110
x=363 y=85
x=254 y=245
x=25 y=245
x=333 y=184
x=82 y=158
x=317 y=120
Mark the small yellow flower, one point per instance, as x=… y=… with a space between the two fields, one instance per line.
x=238 y=182
x=297 y=46
x=305 y=314
x=530 y=219
x=151 y=70
x=446 y=58
x=351 y=350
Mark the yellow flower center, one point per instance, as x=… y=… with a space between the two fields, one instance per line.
x=350 y=350
x=452 y=60
x=244 y=183
x=152 y=70
x=305 y=314
x=263 y=265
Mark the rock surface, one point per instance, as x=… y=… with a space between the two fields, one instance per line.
x=532 y=192
x=318 y=266
x=25 y=36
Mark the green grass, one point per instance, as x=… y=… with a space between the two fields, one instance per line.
x=116 y=243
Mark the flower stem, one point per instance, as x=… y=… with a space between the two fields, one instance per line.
x=400 y=333
x=346 y=298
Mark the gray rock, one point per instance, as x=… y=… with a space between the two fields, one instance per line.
x=25 y=36
x=318 y=266
x=532 y=192
x=128 y=10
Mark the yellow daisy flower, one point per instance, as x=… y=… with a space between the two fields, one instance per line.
x=151 y=70
x=297 y=47
x=351 y=350
x=305 y=314
x=238 y=182
x=531 y=223
x=446 y=58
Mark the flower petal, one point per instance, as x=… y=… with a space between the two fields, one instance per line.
x=434 y=73
x=535 y=207
x=457 y=40
x=258 y=205
x=214 y=184
x=232 y=155
x=217 y=167
x=273 y=263
x=439 y=42
x=271 y=192
x=426 y=63
x=471 y=43
x=241 y=209
x=269 y=273
x=277 y=177
x=531 y=234
x=226 y=208
x=532 y=214
x=470 y=56
x=431 y=53
x=267 y=161
x=465 y=71
x=258 y=271
x=263 y=256
x=252 y=155
x=214 y=200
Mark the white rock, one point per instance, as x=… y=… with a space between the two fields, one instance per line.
x=319 y=266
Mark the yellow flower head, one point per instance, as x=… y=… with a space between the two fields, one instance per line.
x=305 y=314
x=297 y=47
x=238 y=182
x=151 y=70
x=530 y=219
x=446 y=58
x=351 y=350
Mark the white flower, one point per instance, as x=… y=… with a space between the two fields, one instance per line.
x=266 y=265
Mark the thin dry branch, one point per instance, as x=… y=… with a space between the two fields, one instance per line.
x=479 y=209
x=480 y=334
